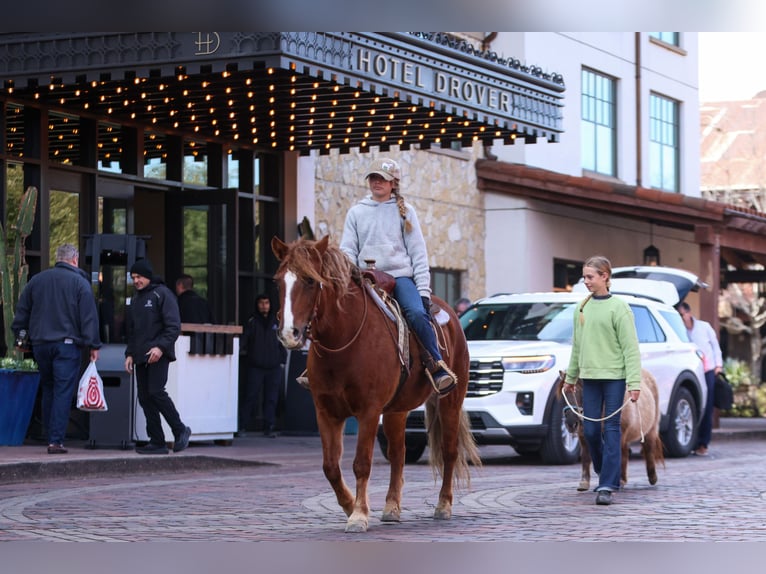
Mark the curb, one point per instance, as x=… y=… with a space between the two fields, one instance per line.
x=29 y=471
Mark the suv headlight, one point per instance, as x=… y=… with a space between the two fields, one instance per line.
x=529 y=365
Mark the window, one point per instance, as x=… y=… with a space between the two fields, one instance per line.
x=446 y=284
x=566 y=274
x=671 y=38
x=195 y=162
x=647 y=329
x=599 y=125
x=663 y=143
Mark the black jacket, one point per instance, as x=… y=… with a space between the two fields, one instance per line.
x=59 y=304
x=194 y=308
x=259 y=340
x=152 y=321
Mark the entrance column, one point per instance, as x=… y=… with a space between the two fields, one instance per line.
x=709 y=240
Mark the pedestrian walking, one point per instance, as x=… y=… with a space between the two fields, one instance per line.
x=702 y=334
x=58 y=311
x=153 y=325
x=606 y=357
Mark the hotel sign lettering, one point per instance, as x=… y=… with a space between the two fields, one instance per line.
x=431 y=81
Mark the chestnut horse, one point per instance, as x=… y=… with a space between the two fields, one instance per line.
x=639 y=421
x=354 y=369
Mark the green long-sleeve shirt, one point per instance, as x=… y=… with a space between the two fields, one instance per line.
x=605 y=344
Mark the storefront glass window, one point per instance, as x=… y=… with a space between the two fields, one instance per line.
x=64 y=220
x=232 y=169
x=195 y=243
x=195 y=162
x=15 y=187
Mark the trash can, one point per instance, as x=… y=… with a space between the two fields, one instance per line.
x=299 y=415
x=115 y=427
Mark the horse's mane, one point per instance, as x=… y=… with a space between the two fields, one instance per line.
x=337 y=269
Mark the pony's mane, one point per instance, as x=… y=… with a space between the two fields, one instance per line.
x=337 y=269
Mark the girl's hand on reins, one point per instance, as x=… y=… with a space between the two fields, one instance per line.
x=634 y=395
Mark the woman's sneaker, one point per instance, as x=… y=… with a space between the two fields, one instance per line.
x=604 y=497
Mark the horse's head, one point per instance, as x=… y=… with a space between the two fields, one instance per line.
x=572 y=395
x=299 y=279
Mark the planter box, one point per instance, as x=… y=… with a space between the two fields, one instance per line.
x=18 y=390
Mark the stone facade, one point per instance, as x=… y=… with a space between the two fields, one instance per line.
x=441 y=186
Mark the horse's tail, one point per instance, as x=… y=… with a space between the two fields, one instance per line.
x=467 y=451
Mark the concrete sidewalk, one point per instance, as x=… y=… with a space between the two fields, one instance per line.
x=31 y=461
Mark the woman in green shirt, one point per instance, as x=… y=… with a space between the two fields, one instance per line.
x=605 y=355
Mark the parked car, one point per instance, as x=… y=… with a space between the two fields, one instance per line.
x=518 y=343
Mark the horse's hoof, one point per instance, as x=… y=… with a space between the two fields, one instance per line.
x=443 y=513
x=356 y=525
x=583 y=486
x=393 y=515
x=653 y=478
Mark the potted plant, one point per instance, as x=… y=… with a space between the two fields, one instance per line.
x=19 y=378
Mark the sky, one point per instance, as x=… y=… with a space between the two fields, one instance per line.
x=731 y=65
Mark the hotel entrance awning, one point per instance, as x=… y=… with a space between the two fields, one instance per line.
x=299 y=91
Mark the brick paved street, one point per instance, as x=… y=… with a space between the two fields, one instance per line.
x=720 y=497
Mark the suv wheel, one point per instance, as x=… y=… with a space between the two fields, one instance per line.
x=414 y=446
x=559 y=446
x=682 y=432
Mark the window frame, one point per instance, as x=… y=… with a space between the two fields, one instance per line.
x=660 y=127
x=598 y=99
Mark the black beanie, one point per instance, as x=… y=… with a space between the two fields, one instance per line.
x=142 y=267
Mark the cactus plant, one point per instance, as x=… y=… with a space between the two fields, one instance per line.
x=14 y=272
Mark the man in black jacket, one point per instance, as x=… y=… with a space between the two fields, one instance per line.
x=58 y=310
x=265 y=358
x=153 y=325
x=192 y=306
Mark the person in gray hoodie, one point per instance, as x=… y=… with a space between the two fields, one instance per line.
x=384 y=228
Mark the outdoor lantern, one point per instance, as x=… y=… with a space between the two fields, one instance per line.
x=651 y=256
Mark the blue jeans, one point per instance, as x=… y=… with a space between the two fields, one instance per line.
x=706 y=423
x=601 y=398
x=408 y=297
x=59 y=366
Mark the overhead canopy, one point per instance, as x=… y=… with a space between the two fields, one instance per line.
x=298 y=91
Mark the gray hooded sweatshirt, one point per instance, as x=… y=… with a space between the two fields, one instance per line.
x=375 y=230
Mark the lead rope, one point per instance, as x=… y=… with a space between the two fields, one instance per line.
x=578 y=412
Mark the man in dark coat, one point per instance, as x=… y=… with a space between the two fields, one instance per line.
x=192 y=306
x=58 y=310
x=153 y=325
x=265 y=359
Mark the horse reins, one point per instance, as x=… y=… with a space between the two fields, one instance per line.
x=354 y=338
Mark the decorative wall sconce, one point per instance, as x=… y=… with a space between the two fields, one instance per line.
x=651 y=253
x=651 y=256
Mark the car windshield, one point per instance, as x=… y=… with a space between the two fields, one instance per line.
x=519 y=322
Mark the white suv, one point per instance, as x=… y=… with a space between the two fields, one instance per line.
x=518 y=344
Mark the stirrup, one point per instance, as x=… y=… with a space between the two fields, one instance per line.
x=303 y=379
x=442 y=392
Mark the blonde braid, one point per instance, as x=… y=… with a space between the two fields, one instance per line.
x=402 y=211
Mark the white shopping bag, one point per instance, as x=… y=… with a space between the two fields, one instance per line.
x=90 y=393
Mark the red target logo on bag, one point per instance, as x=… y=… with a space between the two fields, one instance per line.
x=94 y=399
x=90 y=393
